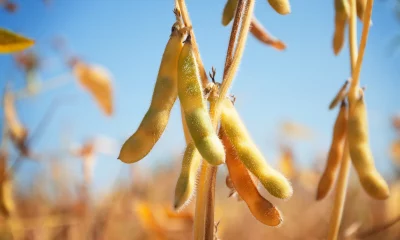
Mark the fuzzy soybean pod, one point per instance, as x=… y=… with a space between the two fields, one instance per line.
x=194 y=107
x=229 y=11
x=261 y=208
x=186 y=184
x=280 y=6
x=164 y=95
x=361 y=154
x=250 y=156
x=342 y=10
x=335 y=153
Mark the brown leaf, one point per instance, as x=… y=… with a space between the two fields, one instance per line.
x=17 y=131
x=97 y=81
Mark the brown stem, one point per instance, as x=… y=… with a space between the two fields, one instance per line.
x=188 y=23
x=232 y=39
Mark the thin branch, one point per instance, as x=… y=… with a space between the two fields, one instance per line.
x=232 y=39
x=188 y=23
x=340 y=196
x=38 y=131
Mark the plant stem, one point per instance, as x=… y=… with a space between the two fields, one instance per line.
x=232 y=39
x=337 y=211
x=188 y=23
x=204 y=217
x=364 y=36
x=356 y=62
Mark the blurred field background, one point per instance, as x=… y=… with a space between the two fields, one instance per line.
x=71 y=185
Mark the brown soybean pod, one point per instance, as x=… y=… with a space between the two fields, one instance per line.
x=274 y=181
x=360 y=152
x=262 y=35
x=262 y=209
x=335 y=153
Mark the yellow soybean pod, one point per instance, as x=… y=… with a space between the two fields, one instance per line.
x=280 y=6
x=342 y=10
x=335 y=153
x=186 y=184
x=229 y=11
x=263 y=210
x=165 y=93
x=251 y=157
x=194 y=107
x=361 y=154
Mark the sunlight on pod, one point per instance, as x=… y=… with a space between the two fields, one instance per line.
x=342 y=13
x=153 y=124
x=241 y=179
x=262 y=35
x=186 y=185
x=12 y=42
x=195 y=109
x=276 y=184
x=360 y=151
x=339 y=96
x=335 y=153
x=229 y=11
x=98 y=82
x=280 y=6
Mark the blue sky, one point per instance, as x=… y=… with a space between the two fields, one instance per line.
x=128 y=37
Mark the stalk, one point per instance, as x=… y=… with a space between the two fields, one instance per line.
x=356 y=62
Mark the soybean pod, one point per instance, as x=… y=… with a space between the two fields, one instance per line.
x=186 y=184
x=164 y=95
x=360 y=152
x=335 y=153
x=342 y=10
x=194 y=107
x=250 y=156
x=280 y=6
x=229 y=11
x=261 y=208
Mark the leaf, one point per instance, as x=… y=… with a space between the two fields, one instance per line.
x=6 y=202
x=286 y=162
x=97 y=81
x=17 y=131
x=395 y=152
x=296 y=130
x=12 y=42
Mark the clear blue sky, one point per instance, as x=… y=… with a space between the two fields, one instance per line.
x=129 y=36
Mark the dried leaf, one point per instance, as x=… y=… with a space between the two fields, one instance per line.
x=6 y=199
x=10 y=7
x=296 y=130
x=17 y=131
x=262 y=35
x=395 y=152
x=148 y=221
x=12 y=42
x=286 y=163
x=97 y=81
